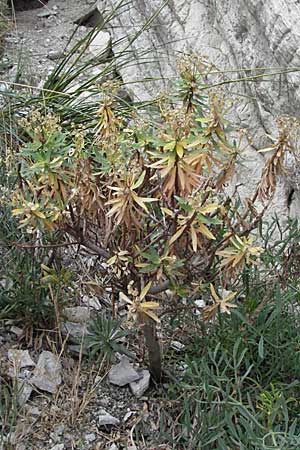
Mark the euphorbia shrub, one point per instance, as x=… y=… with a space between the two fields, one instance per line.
x=146 y=192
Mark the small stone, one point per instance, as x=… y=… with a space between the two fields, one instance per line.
x=128 y=415
x=178 y=346
x=6 y=282
x=98 y=380
x=58 y=431
x=55 y=54
x=24 y=392
x=75 y=331
x=47 y=375
x=20 y=358
x=200 y=304
x=182 y=366
x=90 y=18
x=91 y=437
x=139 y=387
x=17 y=331
x=46 y=12
x=92 y=302
x=100 y=46
x=76 y=325
x=113 y=447
x=123 y=373
x=77 y=349
x=105 y=419
x=33 y=411
x=20 y=446
x=77 y=314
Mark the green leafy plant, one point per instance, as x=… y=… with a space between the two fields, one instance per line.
x=8 y=410
x=145 y=188
x=104 y=339
x=233 y=395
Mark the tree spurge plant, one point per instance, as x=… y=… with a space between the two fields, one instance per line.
x=146 y=192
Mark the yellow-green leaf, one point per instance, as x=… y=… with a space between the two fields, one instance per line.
x=111 y=260
x=170 y=145
x=17 y=212
x=152 y=316
x=179 y=150
x=125 y=298
x=177 y=235
x=149 y=305
x=194 y=239
x=204 y=230
x=145 y=290
x=140 y=180
x=213 y=293
x=167 y=211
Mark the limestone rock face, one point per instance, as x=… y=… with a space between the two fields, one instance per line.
x=233 y=34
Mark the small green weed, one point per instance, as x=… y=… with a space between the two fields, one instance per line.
x=104 y=337
x=8 y=409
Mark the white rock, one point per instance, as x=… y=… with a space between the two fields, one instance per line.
x=46 y=12
x=92 y=302
x=127 y=416
x=55 y=54
x=78 y=349
x=33 y=411
x=178 y=346
x=91 y=437
x=123 y=373
x=77 y=314
x=250 y=34
x=200 y=304
x=107 y=419
x=101 y=45
x=20 y=358
x=113 y=447
x=24 y=392
x=47 y=374
x=58 y=447
x=139 y=387
x=17 y=331
x=57 y=432
x=88 y=96
x=182 y=366
x=5 y=282
x=75 y=331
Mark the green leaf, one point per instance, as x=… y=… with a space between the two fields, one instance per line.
x=261 y=348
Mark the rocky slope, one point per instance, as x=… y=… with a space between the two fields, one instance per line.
x=234 y=34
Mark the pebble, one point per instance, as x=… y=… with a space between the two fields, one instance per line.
x=91 y=437
x=24 y=392
x=20 y=358
x=58 y=447
x=105 y=419
x=55 y=54
x=47 y=374
x=77 y=314
x=113 y=447
x=123 y=373
x=178 y=346
x=17 y=331
x=100 y=45
x=74 y=331
x=139 y=387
